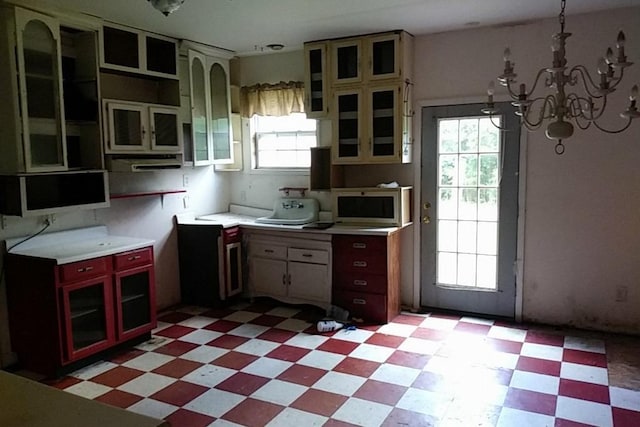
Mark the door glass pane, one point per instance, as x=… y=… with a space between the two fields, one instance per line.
x=467 y=212
x=382 y=104
x=135 y=300
x=347 y=57
x=348 y=125
x=220 y=124
x=165 y=128
x=88 y=317
x=42 y=100
x=127 y=126
x=199 y=111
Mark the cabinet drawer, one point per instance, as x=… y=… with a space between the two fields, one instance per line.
x=83 y=269
x=313 y=256
x=368 y=307
x=360 y=244
x=360 y=282
x=361 y=254
x=267 y=250
x=231 y=234
x=130 y=259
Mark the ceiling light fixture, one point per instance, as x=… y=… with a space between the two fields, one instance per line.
x=564 y=106
x=166 y=6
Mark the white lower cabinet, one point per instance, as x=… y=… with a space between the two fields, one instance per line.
x=289 y=269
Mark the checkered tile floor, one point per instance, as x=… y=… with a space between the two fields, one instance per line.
x=264 y=364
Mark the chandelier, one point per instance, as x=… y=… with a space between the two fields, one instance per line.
x=563 y=106
x=166 y=6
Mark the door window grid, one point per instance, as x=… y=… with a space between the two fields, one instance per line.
x=284 y=142
x=469 y=165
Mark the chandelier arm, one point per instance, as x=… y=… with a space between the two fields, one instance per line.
x=512 y=94
x=578 y=111
x=491 y=116
x=585 y=126
x=613 y=131
x=537 y=79
x=586 y=78
x=532 y=125
x=616 y=80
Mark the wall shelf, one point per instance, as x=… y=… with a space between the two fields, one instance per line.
x=160 y=193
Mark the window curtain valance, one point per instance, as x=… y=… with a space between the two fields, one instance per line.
x=279 y=99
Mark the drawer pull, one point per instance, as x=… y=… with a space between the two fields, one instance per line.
x=359 y=301
x=359 y=263
x=268 y=251
x=359 y=245
x=307 y=255
x=133 y=258
x=360 y=282
x=84 y=270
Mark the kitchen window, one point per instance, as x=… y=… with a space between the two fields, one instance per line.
x=283 y=142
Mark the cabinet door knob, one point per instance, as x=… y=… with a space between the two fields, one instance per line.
x=133 y=258
x=307 y=255
x=358 y=245
x=359 y=301
x=84 y=270
x=360 y=282
x=359 y=263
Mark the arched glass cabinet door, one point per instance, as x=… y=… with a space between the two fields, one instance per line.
x=220 y=115
x=199 y=123
x=38 y=50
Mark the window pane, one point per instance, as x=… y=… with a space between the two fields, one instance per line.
x=488 y=238
x=468 y=203
x=284 y=142
x=488 y=204
x=489 y=134
x=487 y=266
x=469 y=135
x=448 y=170
x=466 y=270
x=447 y=235
x=448 y=136
x=468 y=170
x=467 y=237
x=489 y=170
x=448 y=203
x=447 y=268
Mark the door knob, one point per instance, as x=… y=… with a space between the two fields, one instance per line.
x=426 y=206
x=426 y=219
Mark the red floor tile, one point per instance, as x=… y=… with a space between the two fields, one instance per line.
x=377 y=391
x=359 y=367
x=242 y=383
x=185 y=418
x=402 y=417
x=62 y=383
x=536 y=337
x=539 y=366
x=504 y=346
x=277 y=335
x=223 y=326
x=126 y=355
x=445 y=316
x=175 y=331
x=472 y=328
x=179 y=393
x=117 y=376
x=584 y=358
x=218 y=313
x=338 y=346
x=228 y=341
x=235 y=360
x=385 y=340
x=174 y=317
x=261 y=306
x=531 y=401
x=303 y=375
x=177 y=368
x=408 y=319
x=430 y=334
x=435 y=382
x=253 y=413
x=319 y=402
x=267 y=320
x=585 y=391
x=625 y=418
x=176 y=348
x=337 y=423
x=568 y=423
x=408 y=359
x=288 y=353
x=119 y=399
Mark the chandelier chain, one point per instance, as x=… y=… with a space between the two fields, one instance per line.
x=563 y=3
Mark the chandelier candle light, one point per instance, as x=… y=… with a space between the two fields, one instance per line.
x=563 y=106
x=166 y=6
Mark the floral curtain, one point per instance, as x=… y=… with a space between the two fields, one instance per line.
x=279 y=99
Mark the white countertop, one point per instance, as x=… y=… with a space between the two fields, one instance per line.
x=76 y=245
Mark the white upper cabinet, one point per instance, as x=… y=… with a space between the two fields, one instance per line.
x=316 y=81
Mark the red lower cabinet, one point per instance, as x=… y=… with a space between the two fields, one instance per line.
x=61 y=314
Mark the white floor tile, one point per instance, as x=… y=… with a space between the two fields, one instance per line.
x=88 y=389
x=584 y=344
x=509 y=334
x=153 y=343
x=148 y=361
x=293 y=417
x=498 y=359
x=589 y=374
x=439 y=323
x=267 y=367
x=209 y=375
x=535 y=382
x=321 y=359
x=374 y=353
x=197 y=322
x=248 y=330
x=425 y=402
x=339 y=383
x=279 y=392
x=201 y=336
x=283 y=311
x=447 y=367
x=477 y=320
x=395 y=374
x=307 y=341
x=357 y=336
x=510 y=417
x=147 y=384
x=398 y=329
x=93 y=370
x=224 y=423
x=584 y=411
x=214 y=403
x=153 y=408
x=624 y=398
x=542 y=351
x=294 y=325
x=204 y=354
x=362 y=412
x=257 y=347
x=160 y=326
x=420 y=346
x=242 y=316
x=482 y=393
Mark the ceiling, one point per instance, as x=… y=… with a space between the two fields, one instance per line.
x=247 y=26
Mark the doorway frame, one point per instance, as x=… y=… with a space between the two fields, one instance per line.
x=417 y=191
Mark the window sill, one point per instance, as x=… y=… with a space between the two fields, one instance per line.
x=300 y=172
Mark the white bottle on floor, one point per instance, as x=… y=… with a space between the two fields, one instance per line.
x=329 y=325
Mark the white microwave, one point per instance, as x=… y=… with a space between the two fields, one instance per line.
x=383 y=207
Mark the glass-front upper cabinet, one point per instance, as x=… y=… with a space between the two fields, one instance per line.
x=38 y=48
x=347 y=134
x=199 y=123
x=385 y=128
x=384 y=57
x=316 y=82
x=220 y=114
x=346 y=58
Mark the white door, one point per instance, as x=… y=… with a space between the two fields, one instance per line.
x=470 y=208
